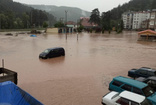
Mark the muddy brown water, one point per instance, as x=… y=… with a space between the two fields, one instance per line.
x=83 y=75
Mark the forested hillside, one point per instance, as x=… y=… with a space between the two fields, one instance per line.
x=15 y=15
x=133 y=5
x=73 y=13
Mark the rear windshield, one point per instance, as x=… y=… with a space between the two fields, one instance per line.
x=148 y=91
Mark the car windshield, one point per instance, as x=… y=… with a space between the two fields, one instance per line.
x=146 y=102
x=46 y=51
x=148 y=91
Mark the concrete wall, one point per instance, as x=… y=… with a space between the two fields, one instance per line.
x=52 y=30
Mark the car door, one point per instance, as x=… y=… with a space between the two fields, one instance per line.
x=126 y=87
x=116 y=86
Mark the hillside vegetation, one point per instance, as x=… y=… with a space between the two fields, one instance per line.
x=14 y=15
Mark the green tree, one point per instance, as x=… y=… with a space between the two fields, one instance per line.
x=95 y=17
x=18 y=23
x=106 y=21
x=45 y=24
x=59 y=24
x=25 y=20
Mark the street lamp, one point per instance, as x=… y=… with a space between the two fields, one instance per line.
x=66 y=22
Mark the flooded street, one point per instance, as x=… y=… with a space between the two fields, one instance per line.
x=82 y=76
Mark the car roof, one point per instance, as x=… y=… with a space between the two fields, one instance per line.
x=131 y=82
x=55 y=48
x=147 y=68
x=132 y=96
x=152 y=77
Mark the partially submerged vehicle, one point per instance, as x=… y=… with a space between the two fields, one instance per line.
x=11 y=94
x=151 y=81
x=52 y=52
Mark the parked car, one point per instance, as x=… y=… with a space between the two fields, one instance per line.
x=52 y=52
x=151 y=81
x=142 y=72
x=124 y=98
x=120 y=84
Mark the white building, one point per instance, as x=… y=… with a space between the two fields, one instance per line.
x=138 y=18
x=152 y=23
x=127 y=20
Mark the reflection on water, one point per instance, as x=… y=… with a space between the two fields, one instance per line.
x=82 y=76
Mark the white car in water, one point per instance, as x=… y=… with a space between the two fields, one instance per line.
x=124 y=98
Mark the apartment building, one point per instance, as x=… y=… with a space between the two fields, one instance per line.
x=140 y=19
x=152 y=20
x=127 y=20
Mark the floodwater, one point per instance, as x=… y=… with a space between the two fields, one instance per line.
x=82 y=76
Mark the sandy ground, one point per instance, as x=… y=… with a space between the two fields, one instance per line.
x=81 y=77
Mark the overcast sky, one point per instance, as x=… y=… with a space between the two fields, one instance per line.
x=89 y=5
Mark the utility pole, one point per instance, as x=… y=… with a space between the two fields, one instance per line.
x=77 y=29
x=0 y=23
x=66 y=22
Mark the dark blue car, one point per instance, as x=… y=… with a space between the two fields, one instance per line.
x=142 y=72
x=52 y=52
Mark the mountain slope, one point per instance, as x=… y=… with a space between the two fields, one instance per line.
x=73 y=14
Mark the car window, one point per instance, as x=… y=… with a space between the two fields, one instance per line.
x=134 y=103
x=150 y=73
x=138 y=91
x=146 y=102
x=143 y=72
x=148 y=91
x=126 y=87
x=122 y=101
x=117 y=83
x=151 y=83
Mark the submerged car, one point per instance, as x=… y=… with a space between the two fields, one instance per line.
x=142 y=72
x=124 y=98
x=120 y=84
x=52 y=52
x=151 y=81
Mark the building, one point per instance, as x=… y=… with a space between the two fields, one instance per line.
x=149 y=35
x=86 y=24
x=138 y=18
x=152 y=21
x=127 y=20
x=145 y=24
x=72 y=26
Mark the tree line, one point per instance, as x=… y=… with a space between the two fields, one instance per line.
x=14 y=15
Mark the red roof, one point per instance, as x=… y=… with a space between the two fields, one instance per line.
x=71 y=23
x=85 y=22
x=149 y=32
